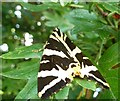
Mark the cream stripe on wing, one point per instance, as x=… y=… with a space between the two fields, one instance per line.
x=50 y=52
x=99 y=80
x=62 y=74
x=66 y=46
x=75 y=51
x=85 y=58
x=58 y=73
x=51 y=84
x=53 y=37
x=86 y=71
x=65 y=36
x=44 y=61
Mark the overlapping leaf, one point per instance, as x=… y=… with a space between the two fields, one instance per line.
x=86 y=84
x=109 y=59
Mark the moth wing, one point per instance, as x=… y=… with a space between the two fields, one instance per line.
x=55 y=61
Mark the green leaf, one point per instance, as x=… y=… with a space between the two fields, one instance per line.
x=106 y=94
x=87 y=27
x=63 y=93
x=29 y=91
x=84 y=21
x=26 y=70
x=44 y=6
x=103 y=32
x=33 y=51
x=55 y=19
x=74 y=87
x=109 y=59
x=7 y=85
x=86 y=84
x=83 y=14
x=111 y=6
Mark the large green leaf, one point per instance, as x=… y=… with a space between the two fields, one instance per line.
x=87 y=84
x=33 y=51
x=109 y=59
x=25 y=70
x=29 y=91
x=84 y=21
x=63 y=93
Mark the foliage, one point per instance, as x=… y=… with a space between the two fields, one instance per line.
x=93 y=26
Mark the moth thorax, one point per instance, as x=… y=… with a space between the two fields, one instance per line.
x=75 y=69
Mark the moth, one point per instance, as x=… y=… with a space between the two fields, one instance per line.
x=61 y=62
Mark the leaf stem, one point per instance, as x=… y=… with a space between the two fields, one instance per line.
x=100 y=51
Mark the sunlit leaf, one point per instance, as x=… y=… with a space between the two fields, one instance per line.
x=33 y=51
x=86 y=84
x=44 y=6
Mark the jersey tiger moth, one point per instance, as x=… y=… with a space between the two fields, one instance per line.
x=61 y=62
